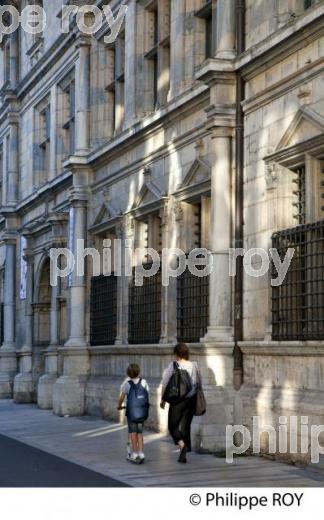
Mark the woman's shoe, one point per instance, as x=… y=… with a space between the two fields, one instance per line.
x=182 y=457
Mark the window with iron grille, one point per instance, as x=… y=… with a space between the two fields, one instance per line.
x=103 y=310
x=298 y=304
x=145 y=309
x=192 y=307
x=193 y=291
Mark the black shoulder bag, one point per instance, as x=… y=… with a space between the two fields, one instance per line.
x=178 y=387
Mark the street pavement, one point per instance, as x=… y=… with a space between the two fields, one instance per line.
x=37 y=448
x=24 y=466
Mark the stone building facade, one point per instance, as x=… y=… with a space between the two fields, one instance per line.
x=200 y=125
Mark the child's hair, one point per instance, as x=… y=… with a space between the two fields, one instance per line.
x=133 y=371
x=182 y=351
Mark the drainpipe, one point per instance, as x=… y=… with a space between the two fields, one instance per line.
x=239 y=199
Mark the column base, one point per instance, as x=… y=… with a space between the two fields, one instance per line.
x=209 y=431
x=6 y=386
x=225 y=55
x=8 y=371
x=23 y=389
x=45 y=391
x=218 y=334
x=69 y=395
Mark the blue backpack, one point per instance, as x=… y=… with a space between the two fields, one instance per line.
x=137 y=409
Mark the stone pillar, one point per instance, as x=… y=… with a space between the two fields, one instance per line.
x=225 y=28
x=220 y=310
x=169 y=292
x=24 y=391
x=124 y=232
x=82 y=99
x=12 y=174
x=14 y=57
x=8 y=357
x=53 y=133
x=177 y=37
x=47 y=381
x=130 y=63
x=218 y=344
x=69 y=389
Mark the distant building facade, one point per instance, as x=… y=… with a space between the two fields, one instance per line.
x=201 y=125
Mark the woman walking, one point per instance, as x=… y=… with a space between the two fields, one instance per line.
x=182 y=411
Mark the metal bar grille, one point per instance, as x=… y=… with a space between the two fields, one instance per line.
x=192 y=307
x=103 y=310
x=298 y=304
x=300 y=193
x=145 y=310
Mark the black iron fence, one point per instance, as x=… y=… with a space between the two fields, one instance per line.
x=298 y=304
x=103 y=310
x=145 y=309
x=192 y=307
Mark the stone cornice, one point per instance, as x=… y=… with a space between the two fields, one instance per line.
x=282 y=348
x=45 y=63
x=280 y=88
x=196 y=349
x=34 y=200
x=288 y=39
x=291 y=155
x=217 y=71
x=150 y=124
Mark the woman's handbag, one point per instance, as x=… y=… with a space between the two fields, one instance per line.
x=200 y=397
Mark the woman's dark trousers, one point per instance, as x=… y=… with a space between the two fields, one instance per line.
x=180 y=418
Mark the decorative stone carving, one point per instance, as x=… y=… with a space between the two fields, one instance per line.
x=271 y=175
x=178 y=210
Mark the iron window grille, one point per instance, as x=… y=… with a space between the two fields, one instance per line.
x=300 y=194
x=298 y=304
x=145 y=309
x=103 y=310
x=192 y=307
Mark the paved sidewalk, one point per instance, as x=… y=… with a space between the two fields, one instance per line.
x=101 y=446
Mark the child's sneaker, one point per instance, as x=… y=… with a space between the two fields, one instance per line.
x=133 y=457
x=141 y=458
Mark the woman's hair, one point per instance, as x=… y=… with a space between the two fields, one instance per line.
x=182 y=351
x=133 y=371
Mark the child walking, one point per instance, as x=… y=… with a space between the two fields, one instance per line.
x=136 y=389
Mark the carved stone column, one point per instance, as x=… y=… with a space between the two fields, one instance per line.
x=124 y=232
x=225 y=30
x=82 y=91
x=69 y=389
x=169 y=291
x=24 y=391
x=8 y=357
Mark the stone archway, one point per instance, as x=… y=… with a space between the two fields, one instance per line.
x=42 y=307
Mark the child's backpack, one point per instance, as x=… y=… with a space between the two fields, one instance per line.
x=178 y=386
x=137 y=409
